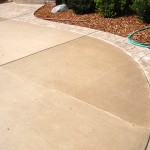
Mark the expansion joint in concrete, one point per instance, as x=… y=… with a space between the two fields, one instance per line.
x=147 y=144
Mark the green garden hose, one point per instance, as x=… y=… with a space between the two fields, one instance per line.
x=138 y=43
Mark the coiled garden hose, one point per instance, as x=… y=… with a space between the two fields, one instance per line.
x=138 y=43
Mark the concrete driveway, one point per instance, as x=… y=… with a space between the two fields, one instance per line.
x=2 y=19
x=61 y=90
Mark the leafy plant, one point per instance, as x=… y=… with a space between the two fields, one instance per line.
x=142 y=9
x=81 y=6
x=113 y=8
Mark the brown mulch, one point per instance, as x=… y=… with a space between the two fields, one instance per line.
x=122 y=26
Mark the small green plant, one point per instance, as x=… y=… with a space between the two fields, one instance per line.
x=107 y=8
x=81 y=6
x=142 y=9
x=113 y=8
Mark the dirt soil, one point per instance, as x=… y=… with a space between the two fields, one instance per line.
x=122 y=26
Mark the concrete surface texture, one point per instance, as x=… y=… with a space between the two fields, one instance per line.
x=94 y=72
x=13 y=10
x=35 y=117
x=25 y=39
x=2 y=19
x=64 y=91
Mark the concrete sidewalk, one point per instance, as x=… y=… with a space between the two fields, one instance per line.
x=67 y=91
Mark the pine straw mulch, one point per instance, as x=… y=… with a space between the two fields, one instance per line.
x=122 y=26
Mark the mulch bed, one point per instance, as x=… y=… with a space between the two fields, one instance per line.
x=122 y=26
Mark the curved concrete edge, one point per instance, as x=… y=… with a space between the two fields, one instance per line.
x=137 y=53
x=89 y=51
x=97 y=129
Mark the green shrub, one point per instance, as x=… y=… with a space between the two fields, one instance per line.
x=107 y=8
x=113 y=8
x=142 y=9
x=66 y=2
x=81 y=6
